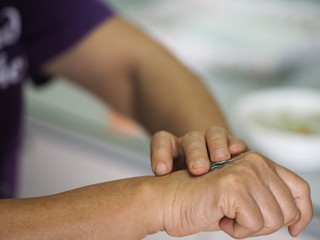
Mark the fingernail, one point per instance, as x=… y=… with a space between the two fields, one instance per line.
x=198 y=164
x=161 y=169
x=220 y=154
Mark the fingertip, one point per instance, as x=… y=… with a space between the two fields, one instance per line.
x=293 y=232
x=161 y=169
x=237 y=145
x=199 y=171
x=234 y=149
x=298 y=225
x=199 y=167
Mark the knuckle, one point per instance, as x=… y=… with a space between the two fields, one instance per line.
x=247 y=173
x=191 y=134
x=196 y=151
x=254 y=156
x=240 y=177
x=231 y=181
x=255 y=225
x=290 y=216
x=216 y=131
x=309 y=215
x=276 y=223
x=305 y=186
x=258 y=226
x=158 y=155
x=217 y=139
x=258 y=160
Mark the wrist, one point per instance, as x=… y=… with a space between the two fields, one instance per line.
x=152 y=193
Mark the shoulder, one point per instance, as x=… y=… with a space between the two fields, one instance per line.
x=51 y=27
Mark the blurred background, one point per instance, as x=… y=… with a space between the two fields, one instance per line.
x=237 y=47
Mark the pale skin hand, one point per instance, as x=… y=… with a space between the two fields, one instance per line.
x=195 y=150
x=251 y=197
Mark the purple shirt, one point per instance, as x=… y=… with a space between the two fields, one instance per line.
x=31 y=33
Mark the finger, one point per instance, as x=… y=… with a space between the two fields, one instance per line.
x=217 y=142
x=163 y=150
x=271 y=211
x=236 y=145
x=247 y=220
x=300 y=190
x=195 y=149
x=295 y=220
x=277 y=187
x=285 y=199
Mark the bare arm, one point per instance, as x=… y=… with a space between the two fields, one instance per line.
x=251 y=197
x=138 y=77
x=116 y=210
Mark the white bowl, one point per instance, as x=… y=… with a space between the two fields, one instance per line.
x=284 y=125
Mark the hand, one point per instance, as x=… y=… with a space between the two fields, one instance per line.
x=250 y=197
x=194 y=150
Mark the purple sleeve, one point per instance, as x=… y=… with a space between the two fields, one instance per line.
x=53 y=26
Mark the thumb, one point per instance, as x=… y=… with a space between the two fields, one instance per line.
x=300 y=190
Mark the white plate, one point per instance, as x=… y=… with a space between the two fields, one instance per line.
x=283 y=124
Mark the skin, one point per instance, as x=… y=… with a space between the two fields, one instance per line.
x=253 y=197
x=193 y=150
x=144 y=82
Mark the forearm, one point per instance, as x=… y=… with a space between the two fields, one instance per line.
x=121 y=209
x=170 y=97
x=161 y=93
x=138 y=77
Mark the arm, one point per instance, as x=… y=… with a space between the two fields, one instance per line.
x=138 y=77
x=122 y=209
x=251 y=197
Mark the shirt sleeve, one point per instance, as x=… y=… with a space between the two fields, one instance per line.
x=51 y=27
